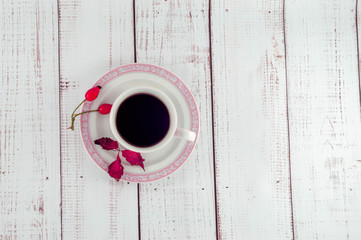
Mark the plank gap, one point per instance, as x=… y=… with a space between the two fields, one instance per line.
x=212 y=115
x=288 y=120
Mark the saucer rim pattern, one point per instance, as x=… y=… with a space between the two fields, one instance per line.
x=173 y=79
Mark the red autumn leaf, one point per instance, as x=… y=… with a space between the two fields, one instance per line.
x=134 y=158
x=107 y=143
x=116 y=169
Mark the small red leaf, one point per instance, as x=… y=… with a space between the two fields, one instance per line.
x=134 y=158
x=116 y=169
x=107 y=143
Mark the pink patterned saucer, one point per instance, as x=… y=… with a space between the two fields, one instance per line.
x=162 y=162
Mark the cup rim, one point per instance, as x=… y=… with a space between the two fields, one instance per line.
x=156 y=93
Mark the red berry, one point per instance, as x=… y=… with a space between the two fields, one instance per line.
x=105 y=108
x=92 y=93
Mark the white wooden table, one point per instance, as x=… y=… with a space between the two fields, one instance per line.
x=277 y=85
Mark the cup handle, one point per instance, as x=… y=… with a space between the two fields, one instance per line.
x=185 y=134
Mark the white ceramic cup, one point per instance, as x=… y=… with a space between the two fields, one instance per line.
x=173 y=130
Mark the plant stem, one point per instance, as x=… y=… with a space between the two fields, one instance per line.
x=74 y=116
x=72 y=123
x=84 y=112
x=78 y=107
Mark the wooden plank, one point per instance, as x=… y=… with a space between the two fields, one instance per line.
x=174 y=34
x=250 y=120
x=95 y=36
x=324 y=115
x=29 y=121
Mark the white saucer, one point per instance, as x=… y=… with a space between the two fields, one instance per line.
x=157 y=164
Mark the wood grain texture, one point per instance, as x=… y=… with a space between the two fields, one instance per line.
x=29 y=121
x=174 y=34
x=250 y=120
x=95 y=36
x=324 y=115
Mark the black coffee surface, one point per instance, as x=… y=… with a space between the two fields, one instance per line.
x=142 y=120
